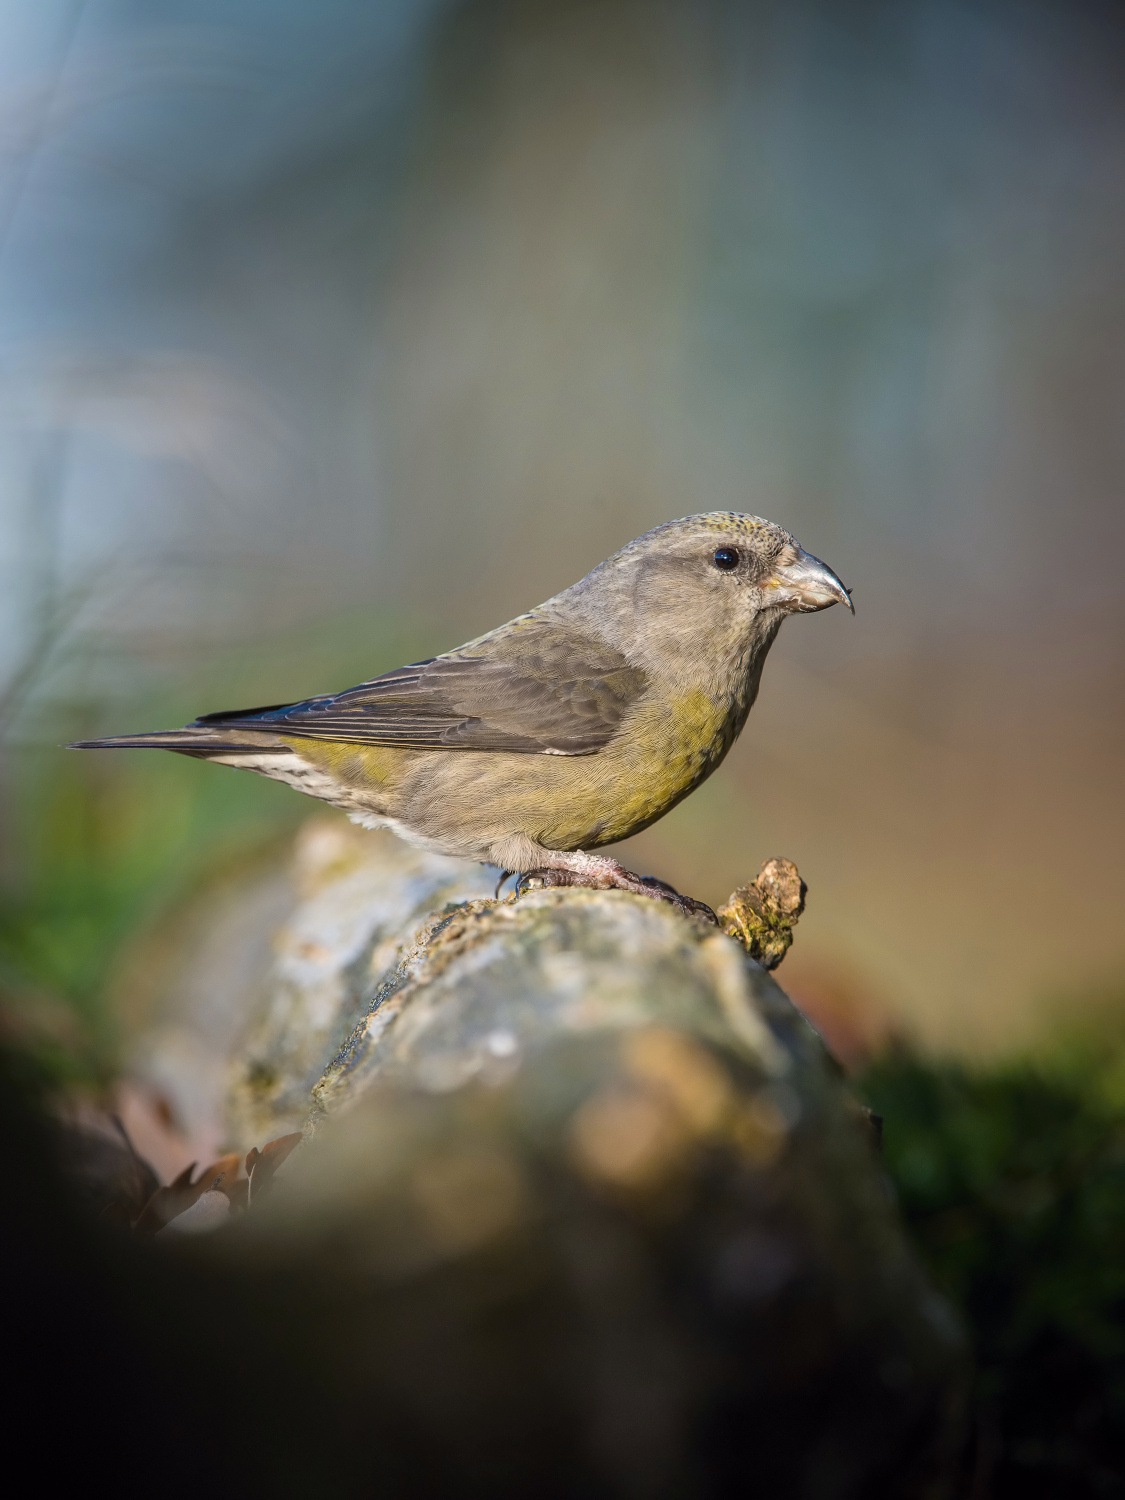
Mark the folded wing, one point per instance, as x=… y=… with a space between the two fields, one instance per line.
x=536 y=688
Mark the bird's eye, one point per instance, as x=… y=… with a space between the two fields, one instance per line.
x=725 y=559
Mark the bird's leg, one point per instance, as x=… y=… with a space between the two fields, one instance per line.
x=601 y=873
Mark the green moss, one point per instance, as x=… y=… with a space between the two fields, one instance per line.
x=93 y=846
x=1012 y=1183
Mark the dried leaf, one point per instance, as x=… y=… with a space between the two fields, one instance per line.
x=167 y=1202
x=261 y=1165
x=221 y=1172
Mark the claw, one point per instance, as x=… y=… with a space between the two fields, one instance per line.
x=691 y=907
x=685 y=904
x=622 y=880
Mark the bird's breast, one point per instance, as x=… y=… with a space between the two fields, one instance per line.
x=683 y=737
x=661 y=754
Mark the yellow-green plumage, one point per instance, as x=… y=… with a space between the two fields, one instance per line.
x=573 y=726
x=560 y=802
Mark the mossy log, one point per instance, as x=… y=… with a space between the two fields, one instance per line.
x=583 y=1205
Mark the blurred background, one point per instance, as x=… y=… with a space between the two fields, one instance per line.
x=332 y=334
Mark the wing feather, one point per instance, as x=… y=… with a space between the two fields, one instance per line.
x=531 y=687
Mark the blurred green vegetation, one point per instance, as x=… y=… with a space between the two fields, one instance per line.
x=1012 y=1184
x=94 y=846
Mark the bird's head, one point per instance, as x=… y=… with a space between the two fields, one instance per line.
x=713 y=585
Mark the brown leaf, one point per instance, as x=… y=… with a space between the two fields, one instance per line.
x=220 y=1173
x=261 y=1165
x=167 y=1203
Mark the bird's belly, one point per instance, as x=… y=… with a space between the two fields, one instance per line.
x=470 y=800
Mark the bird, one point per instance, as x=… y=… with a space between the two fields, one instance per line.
x=573 y=726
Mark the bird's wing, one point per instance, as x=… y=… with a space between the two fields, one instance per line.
x=534 y=687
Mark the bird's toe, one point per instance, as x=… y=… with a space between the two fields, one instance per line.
x=609 y=875
x=537 y=880
x=649 y=885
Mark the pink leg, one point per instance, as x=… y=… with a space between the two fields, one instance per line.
x=601 y=873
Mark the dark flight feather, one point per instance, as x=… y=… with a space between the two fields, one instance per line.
x=189 y=741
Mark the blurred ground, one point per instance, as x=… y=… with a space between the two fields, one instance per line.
x=330 y=336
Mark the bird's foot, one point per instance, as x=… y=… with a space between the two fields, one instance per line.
x=598 y=872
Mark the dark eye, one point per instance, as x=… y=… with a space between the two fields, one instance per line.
x=726 y=559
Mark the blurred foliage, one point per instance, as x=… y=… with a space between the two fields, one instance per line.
x=1012 y=1183
x=94 y=846
x=100 y=850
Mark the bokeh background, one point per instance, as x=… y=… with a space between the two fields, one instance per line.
x=334 y=333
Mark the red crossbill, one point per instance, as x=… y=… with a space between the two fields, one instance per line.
x=570 y=727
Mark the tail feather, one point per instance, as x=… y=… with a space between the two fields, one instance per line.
x=189 y=741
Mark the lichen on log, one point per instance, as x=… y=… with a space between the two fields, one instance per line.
x=763 y=914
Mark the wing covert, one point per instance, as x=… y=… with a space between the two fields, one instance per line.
x=533 y=688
